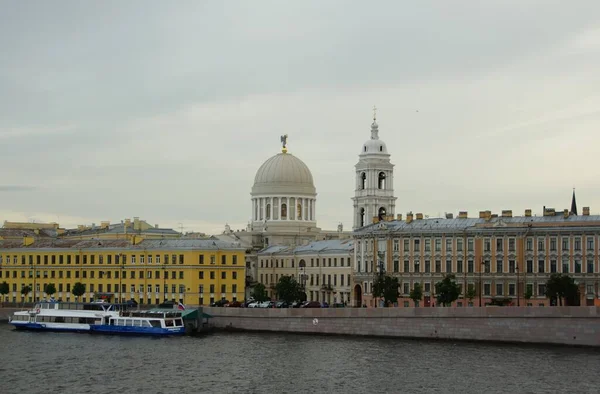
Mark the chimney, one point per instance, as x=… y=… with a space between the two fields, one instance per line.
x=528 y=213
x=507 y=213
x=27 y=241
x=481 y=214
x=409 y=217
x=586 y=211
x=104 y=225
x=419 y=216
x=463 y=215
x=566 y=213
x=488 y=215
x=549 y=211
x=449 y=215
x=127 y=222
x=399 y=216
x=136 y=223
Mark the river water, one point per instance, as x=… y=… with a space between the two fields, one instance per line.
x=285 y=363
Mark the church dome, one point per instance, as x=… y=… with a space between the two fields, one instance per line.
x=284 y=174
x=374 y=145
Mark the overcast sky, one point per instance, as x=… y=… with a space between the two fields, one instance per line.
x=165 y=110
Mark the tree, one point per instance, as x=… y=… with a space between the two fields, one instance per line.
x=471 y=293
x=561 y=289
x=386 y=287
x=447 y=290
x=25 y=290
x=78 y=290
x=4 y=290
x=288 y=289
x=416 y=294
x=528 y=294
x=50 y=289
x=260 y=293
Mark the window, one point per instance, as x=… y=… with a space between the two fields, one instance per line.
x=438 y=244
x=459 y=245
x=381 y=178
x=541 y=266
x=487 y=245
x=213 y=259
x=590 y=244
x=499 y=267
x=470 y=244
x=427 y=287
x=180 y=259
x=529 y=244
x=459 y=266
x=511 y=289
x=511 y=245
x=407 y=245
x=200 y=274
x=142 y=259
x=438 y=266
x=448 y=245
x=448 y=265
x=590 y=266
x=499 y=288
x=577 y=266
x=565 y=267
x=487 y=289
x=212 y=288
x=417 y=266
x=427 y=245
x=529 y=266
x=405 y=288
x=223 y=288
x=427 y=266
x=234 y=259
x=542 y=289
x=565 y=243
x=553 y=244
x=470 y=266
x=132 y=259
x=577 y=245
x=511 y=266
x=201 y=259
x=212 y=274
x=406 y=265
x=223 y=275
x=234 y=275
x=157 y=259
x=396 y=245
x=487 y=266
x=499 y=244
x=541 y=244
x=149 y=259
x=363 y=178
x=417 y=246
x=552 y=266
x=396 y=266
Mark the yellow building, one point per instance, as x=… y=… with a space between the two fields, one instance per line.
x=192 y=271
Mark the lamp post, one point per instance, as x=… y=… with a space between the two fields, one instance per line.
x=517 y=269
x=122 y=265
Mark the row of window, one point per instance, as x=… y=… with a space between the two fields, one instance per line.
x=290 y=263
x=498 y=266
x=109 y=287
x=312 y=279
x=501 y=244
x=110 y=274
x=265 y=211
x=101 y=259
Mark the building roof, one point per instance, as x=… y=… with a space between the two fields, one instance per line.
x=474 y=224
x=119 y=228
x=122 y=244
x=320 y=247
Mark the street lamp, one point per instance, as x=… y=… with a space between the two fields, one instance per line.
x=517 y=269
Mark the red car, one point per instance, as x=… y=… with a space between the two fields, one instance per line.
x=312 y=304
x=234 y=304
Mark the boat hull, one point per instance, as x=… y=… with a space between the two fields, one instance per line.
x=57 y=327
x=143 y=331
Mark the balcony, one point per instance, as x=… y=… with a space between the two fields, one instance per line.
x=327 y=288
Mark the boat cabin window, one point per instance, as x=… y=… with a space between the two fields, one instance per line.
x=155 y=323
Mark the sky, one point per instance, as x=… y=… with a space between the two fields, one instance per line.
x=166 y=110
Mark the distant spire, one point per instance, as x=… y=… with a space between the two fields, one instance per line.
x=374 y=126
x=573 y=204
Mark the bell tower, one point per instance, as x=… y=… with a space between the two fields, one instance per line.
x=374 y=191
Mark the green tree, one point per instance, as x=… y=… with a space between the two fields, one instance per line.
x=416 y=294
x=447 y=290
x=259 y=292
x=528 y=294
x=386 y=287
x=471 y=293
x=78 y=290
x=50 y=289
x=288 y=289
x=4 y=290
x=25 y=290
x=561 y=289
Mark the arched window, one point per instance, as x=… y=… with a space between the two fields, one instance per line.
x=380 y=148
x=283 y=211
x=299 y=207
x=381 y=180
x=365 y=148
x=363 y=181
x=381 y=214
x=268 y=215
x=362 y=217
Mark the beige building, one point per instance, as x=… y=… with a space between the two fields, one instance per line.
x=500 y=256
x=323 y=268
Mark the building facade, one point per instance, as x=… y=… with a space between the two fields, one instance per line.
x=192 y=271
x=323 y=268
x=500 y=257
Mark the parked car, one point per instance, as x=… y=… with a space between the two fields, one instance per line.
x=325 y=305
x=311 y=304
x=234 y=304
x=220 y=303
x=282 y=304
x=298 y=304
x=338 y=305
x=253 y=304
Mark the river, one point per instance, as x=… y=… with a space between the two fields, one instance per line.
x=285 y=363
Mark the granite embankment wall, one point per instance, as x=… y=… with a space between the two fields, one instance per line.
x=552 y=325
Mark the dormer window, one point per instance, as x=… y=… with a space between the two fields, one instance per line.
x=380 y=148
x=365 y=148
